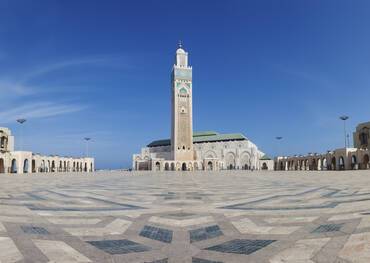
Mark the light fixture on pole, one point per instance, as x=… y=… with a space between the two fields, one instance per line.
x=21 y=121
x=278 y=138
x=344 y=118
x=87 y=139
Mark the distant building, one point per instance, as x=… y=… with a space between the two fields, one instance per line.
x=199 y=151
x=340 y=159
x=27 y=162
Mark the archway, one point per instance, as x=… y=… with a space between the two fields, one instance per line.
x=264 y=166
x=13 y=168
x=210 y=166
x=313 y=165
x=166 y=167
x=25 y=166
x=324 y=164
x=333 y=163
x=2 y=166
x=230 y=161
x=52 y=166
x=43 y=168
x=60 y=166
x=281 y=166
x=91 y=167
x=157 y=166
x=183 y=167
x=34 y=166
x=341 y=163
x=172 y=166
x=85 y=168
x=354 y=162
x=196 y=167
x=245 y=161
x=366 y=161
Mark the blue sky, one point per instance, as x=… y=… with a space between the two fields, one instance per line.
x=102 y=69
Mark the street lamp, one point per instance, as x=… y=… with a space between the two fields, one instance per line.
x=87 y=139
x=344 y=118
x=21 y=121
x=278 y=138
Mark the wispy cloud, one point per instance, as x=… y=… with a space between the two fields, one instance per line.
x=38 y=110
x=11 y=88
x=103 y=61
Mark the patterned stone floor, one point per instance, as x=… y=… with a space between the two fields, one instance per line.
x=273 y=217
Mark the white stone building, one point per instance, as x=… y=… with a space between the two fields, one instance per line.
x=27 y=162
x=352 y=158
x=199 y=151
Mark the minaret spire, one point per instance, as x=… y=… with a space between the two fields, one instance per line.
x=180 y=44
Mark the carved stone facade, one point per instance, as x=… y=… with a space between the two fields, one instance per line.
x=186 y=151
x=340 y=159
x=21 y=162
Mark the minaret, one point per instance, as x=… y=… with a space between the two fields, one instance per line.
x=182 y=108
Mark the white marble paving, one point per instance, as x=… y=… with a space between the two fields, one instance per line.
x=117 y=227
x=301 y=252
x=181 y=223
x=9 y=252
x=247 y=226
x=60 y=252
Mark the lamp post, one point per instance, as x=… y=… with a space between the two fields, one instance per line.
x=87 y=139
x=21 y=121
x=278 y=138
x=344 y=118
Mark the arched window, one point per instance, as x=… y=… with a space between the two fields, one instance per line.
x=25 y=166
x=2 y=166
x=13 y=168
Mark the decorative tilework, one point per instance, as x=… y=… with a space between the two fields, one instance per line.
x=200 y=260
x=122 y=246
x=156 y=233
x=205 y=233
x=327 y=228
x=241 y=246
x=34 y=230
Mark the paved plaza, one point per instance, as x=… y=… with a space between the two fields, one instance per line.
x=186 y=217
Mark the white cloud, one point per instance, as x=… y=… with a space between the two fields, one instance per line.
x=38 y=110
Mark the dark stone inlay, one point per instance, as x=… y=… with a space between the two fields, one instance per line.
x=122 y=246
x=165 y=260
x=34 y=230
x=205 y=233
x=200 y=260
x=179 y=215
x=241 y=246
x=156 y=233
x=328 y=228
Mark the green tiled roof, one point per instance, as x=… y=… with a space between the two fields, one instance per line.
x=265 y=157
x=204 y=133
x=200 y=137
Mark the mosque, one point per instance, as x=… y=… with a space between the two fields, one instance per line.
x=22 y=162
x=188 y=151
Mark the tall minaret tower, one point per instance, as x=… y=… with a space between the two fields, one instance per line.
x=182 y=108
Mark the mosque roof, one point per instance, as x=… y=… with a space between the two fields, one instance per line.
x=201 y=137
x=265 y=157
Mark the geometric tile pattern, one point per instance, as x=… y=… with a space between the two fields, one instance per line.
x=327 y=228
x=199 y=260
x=34 y=230
x=228 y=216
x=122 y=246
x=205 y=233
x=241 y=246
x=160 y=234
